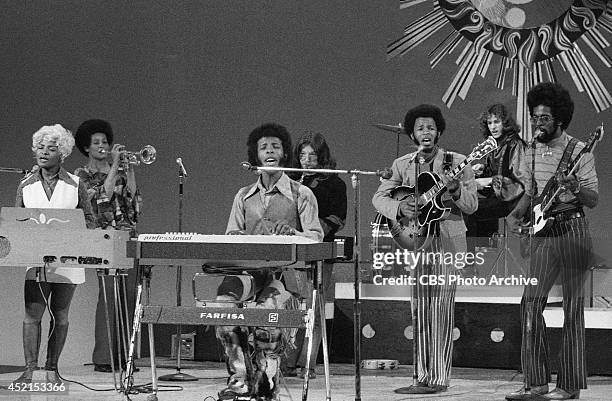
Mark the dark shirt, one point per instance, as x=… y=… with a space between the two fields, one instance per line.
x=505 y=161
x=330 y=192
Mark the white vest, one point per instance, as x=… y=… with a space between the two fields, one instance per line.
x=65 y=196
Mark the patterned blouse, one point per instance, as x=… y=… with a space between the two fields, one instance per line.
x=121 y=209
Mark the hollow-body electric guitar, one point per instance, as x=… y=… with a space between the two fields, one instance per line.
x=417 y=233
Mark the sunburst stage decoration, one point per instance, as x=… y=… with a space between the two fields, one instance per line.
x=526 y=37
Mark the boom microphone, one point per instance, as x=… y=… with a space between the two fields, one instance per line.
x=414 y=156
x=248 y=166
x=385 y=173
x=179 y=161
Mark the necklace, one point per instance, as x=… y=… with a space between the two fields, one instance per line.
x=51 y=179
x=548 y=152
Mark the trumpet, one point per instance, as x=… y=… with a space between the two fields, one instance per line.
x=146 y=155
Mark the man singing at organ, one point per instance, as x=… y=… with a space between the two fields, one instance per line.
x=273 y=205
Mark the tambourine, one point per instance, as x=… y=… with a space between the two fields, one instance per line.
x=380 y=364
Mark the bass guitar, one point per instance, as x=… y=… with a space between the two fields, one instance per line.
x=417 y=233
x=542 y=219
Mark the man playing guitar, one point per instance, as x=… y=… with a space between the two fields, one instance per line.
x=435 y=308
x=564 y=249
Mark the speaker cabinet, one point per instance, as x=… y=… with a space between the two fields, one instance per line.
x=485 y=335
x=489 y=335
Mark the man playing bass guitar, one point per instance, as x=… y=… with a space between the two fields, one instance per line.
x=564 y=249
x=435 y=306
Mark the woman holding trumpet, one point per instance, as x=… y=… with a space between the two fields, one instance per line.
x=115 y=200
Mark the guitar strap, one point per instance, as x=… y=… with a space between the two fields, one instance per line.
x=503 y=168
x=447 y=165
x=447 y=161
x=567 y=153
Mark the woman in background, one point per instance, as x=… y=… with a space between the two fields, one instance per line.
x=115 y=202
x=313 y=152
x=496 y=180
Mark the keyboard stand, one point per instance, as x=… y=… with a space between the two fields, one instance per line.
x=121 y=317
x=155 y=314
x=143 y=280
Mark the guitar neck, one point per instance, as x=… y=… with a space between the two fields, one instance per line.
x=440 y=186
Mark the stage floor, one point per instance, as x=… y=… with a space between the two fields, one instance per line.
x=468 y=384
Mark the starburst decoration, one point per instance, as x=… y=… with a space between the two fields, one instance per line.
x=526 y=38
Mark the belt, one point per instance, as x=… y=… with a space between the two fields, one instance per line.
x=569 y=215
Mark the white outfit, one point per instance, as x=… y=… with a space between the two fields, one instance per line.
x=65 y=196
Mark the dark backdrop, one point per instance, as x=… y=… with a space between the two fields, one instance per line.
x=194 y=78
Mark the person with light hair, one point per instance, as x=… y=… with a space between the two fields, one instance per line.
x=50 y=186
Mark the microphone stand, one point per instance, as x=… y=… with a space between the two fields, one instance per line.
x=529 y=305
x=355 y=181
x=179 y=376
x=397 y=140
x=417 y=159
x=14 y=170
x=414 y=299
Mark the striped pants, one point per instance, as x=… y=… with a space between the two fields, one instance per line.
x=435 y=321
x=566 y=251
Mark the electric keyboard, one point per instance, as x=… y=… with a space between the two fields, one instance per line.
x=219 y=316
x=58 y=238
x=240 y=251
x=228 y=251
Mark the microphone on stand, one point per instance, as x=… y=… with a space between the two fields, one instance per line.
x=414 y=156
x=536 y=134
x=248 y=166
x=179 y=161
x=385 y=173
x=31 y=172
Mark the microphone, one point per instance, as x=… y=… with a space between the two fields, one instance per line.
x=385 y=173
x=179 y=161
x=535 y=136
x=248 y=166
x=31 y=172
x=414 y=156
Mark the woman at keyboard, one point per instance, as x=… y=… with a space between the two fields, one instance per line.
x=274 y=204
x=50 y=186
